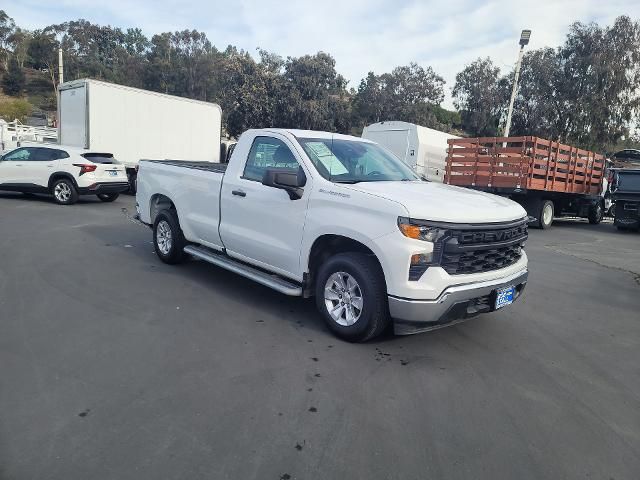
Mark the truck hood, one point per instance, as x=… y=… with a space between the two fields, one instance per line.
x=445 y=203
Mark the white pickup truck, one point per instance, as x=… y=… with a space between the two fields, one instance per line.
x=338 y=217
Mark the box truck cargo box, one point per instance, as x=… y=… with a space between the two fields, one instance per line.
x=423 y=149
x=134 y=124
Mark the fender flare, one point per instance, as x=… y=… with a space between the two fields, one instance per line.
x=56 y=175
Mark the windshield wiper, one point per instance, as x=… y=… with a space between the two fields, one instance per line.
x=346 y=181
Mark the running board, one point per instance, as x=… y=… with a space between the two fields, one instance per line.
x=278 y=284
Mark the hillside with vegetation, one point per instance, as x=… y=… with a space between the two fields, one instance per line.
x=585 y=92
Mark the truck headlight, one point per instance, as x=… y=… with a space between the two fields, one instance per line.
x=419 y=231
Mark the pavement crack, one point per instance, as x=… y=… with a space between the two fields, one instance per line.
x=555 y=248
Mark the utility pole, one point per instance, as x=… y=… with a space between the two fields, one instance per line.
x=60 y=67
x=524 y=40
x=57 y=87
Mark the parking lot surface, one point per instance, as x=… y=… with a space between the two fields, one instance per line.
x=116 y=366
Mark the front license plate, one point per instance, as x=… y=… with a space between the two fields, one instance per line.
x=113 y=174
x=504 y=296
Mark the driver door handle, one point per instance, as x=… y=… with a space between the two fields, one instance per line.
x=239 y=193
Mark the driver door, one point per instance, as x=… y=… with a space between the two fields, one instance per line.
x=260 y=224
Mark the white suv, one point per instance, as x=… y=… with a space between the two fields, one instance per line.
x=64 y=172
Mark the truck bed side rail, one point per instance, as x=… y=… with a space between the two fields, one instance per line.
x=526 y=163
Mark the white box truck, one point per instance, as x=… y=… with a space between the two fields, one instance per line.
x=423 y=149
x=132 y=124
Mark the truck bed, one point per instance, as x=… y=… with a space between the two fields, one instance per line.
x=523 y=163
x=206 y=166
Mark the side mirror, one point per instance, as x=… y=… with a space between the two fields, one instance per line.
x=290 y=180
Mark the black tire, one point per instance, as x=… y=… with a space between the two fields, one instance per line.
x=596 y=212
x=64 y=191
x=175 y=252
x=541 y=222
x=108 y=197
x=374 y=316
x=133 y=183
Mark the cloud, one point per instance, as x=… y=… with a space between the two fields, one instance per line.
x=362 y=35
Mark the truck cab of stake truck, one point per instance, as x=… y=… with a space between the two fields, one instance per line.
x=337 y=217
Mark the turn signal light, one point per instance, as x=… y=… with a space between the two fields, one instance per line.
x=411 y=231
x=419 y=264
x=85 y=167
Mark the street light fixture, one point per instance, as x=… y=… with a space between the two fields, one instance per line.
x=524 y=40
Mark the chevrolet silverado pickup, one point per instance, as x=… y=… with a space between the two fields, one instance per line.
x=341 y=219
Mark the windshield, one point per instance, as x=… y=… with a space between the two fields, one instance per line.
x=352 y=161
x=629 y=182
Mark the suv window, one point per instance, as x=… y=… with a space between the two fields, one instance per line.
x=54 y=154
x=19 y=154
x=268 y=152
x=99 y=157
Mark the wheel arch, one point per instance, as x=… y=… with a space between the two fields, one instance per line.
x=157 y=203
x=331 y=244
x=57 y=176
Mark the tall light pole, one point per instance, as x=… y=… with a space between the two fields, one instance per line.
x=524 y=40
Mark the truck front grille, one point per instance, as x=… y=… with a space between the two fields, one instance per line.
x=482 y=248
x=484 y=260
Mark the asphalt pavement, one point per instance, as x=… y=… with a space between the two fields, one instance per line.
x=116 y=366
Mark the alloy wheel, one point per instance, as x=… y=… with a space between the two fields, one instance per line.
x=343 y=298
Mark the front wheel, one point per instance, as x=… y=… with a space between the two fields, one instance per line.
x=351 y=296
x=64 y=192
x=108 y=197
x=168 y=239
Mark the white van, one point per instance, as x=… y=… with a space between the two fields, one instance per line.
x=423 y=149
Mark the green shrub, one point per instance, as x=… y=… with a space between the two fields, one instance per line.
x=10 y=109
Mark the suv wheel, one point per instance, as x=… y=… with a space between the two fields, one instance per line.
x=64 y=192
x=168 y=239
x=352 y=297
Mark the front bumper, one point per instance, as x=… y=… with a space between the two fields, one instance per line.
x=455 y=304
x=104 y=187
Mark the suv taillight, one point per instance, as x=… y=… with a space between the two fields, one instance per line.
x=85 y=167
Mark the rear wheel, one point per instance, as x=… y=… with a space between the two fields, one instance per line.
x=168 y=239
x=351 y=296
x=107 y=197
x=596 y=212
x=545 y=215
x=64 y=192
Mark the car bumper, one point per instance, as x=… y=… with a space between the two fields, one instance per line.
x=455 y=304
x=104 y=187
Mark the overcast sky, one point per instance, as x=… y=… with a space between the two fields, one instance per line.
x=362 y=35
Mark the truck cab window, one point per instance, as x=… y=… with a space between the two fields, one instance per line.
x=267 y=152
